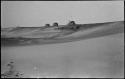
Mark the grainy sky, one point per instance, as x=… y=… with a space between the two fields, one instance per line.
x=38 y=13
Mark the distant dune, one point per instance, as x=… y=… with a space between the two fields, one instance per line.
x=20 y=36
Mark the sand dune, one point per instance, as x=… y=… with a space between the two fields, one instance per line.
x=38 y=35
x=94 y=51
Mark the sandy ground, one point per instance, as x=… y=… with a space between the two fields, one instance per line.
x=102 y=56
x=99 y=57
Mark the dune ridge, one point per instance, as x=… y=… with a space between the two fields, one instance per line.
x=51 y=35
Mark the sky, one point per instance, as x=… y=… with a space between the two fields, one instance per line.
x=38 y=13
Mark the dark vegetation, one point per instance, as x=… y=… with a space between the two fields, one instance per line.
x=13 y=41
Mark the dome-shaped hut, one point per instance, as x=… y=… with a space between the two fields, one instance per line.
x=55 y=24
x=71 y=23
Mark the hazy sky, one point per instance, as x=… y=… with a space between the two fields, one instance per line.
x=38 y=13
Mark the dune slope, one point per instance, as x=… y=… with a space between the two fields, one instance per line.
x=40 y=35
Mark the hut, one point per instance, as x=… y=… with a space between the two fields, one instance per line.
x=47 y=25
x=55 y=24
x=71 y=23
